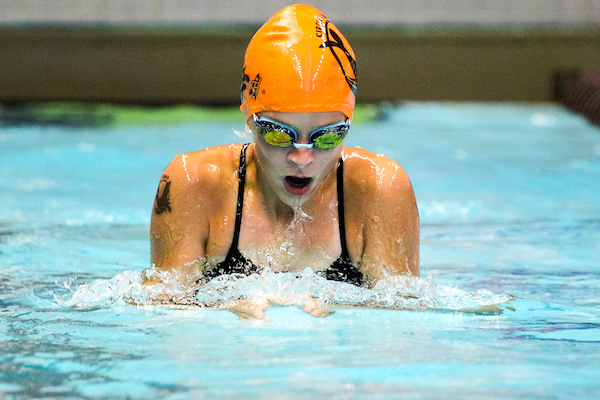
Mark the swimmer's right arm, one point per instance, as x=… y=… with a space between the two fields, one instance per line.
x=179 y=223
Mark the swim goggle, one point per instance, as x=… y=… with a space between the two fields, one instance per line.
x=279 y=135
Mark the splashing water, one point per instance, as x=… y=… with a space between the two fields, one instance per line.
x=247 y=134
x=293 y=289
x=291 y=231
x=299 y=215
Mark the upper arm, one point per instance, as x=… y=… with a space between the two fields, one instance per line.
x=179 y=223
x=392 y=228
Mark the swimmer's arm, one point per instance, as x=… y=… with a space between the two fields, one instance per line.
x=179 y=223
x=391 y=232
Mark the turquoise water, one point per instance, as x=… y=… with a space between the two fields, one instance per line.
x=509 y=205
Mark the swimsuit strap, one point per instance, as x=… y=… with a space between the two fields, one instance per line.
x=240 y=200
x=342 y=269
x=240 y=205
x=342 y=221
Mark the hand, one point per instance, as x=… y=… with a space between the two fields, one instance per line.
x=317 y=308
x=255 y=309
x=250 y=309
x=491 y=309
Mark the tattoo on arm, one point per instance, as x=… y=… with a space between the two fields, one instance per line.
x=162 y=196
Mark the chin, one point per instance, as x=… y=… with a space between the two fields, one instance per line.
x=294 y=200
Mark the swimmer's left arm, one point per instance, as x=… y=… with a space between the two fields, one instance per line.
x=392 y=227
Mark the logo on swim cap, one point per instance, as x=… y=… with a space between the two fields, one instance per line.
x=254 y=85
x=333 y=42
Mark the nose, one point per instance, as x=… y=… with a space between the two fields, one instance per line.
x=301 y=157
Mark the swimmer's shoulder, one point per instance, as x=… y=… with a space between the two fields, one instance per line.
x=206 y=171
x=370 y=172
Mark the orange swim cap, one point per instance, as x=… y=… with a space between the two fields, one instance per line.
x=298 y=61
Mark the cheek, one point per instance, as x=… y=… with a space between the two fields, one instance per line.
x=269 y=160
x=328 y=162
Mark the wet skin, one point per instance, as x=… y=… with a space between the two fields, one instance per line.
x=292 y=175
x=382 y=223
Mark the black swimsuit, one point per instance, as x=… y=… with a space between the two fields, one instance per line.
x=342 y=269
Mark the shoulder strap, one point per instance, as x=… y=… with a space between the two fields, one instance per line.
x=240 y=199
x=340 y=198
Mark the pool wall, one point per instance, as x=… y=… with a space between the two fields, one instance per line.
x=202 y=65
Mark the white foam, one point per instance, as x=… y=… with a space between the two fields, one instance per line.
x=293 y=289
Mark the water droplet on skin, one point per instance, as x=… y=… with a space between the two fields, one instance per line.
x=291 y=231
x=187 y=175
x=211 y=167
x=300 y=215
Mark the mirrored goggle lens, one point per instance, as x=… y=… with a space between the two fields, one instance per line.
x=328 y=141
x=330 y=137
x=278 y=138
x=273 y=133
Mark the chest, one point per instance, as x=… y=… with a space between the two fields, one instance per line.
x=294 y=243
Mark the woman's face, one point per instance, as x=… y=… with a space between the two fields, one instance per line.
x=295 y=174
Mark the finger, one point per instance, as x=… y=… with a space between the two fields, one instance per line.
x=321 y=313
x=317 y=309
x=248 y=309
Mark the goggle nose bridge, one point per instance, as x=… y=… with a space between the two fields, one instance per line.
x=299 y=145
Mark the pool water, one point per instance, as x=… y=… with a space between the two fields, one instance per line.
x=509 y=202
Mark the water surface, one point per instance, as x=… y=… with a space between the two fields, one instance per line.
x=509 y=205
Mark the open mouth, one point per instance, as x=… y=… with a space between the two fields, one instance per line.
x=296 y=185
x=297 y=182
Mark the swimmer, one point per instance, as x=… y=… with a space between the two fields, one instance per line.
x=295 y=197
